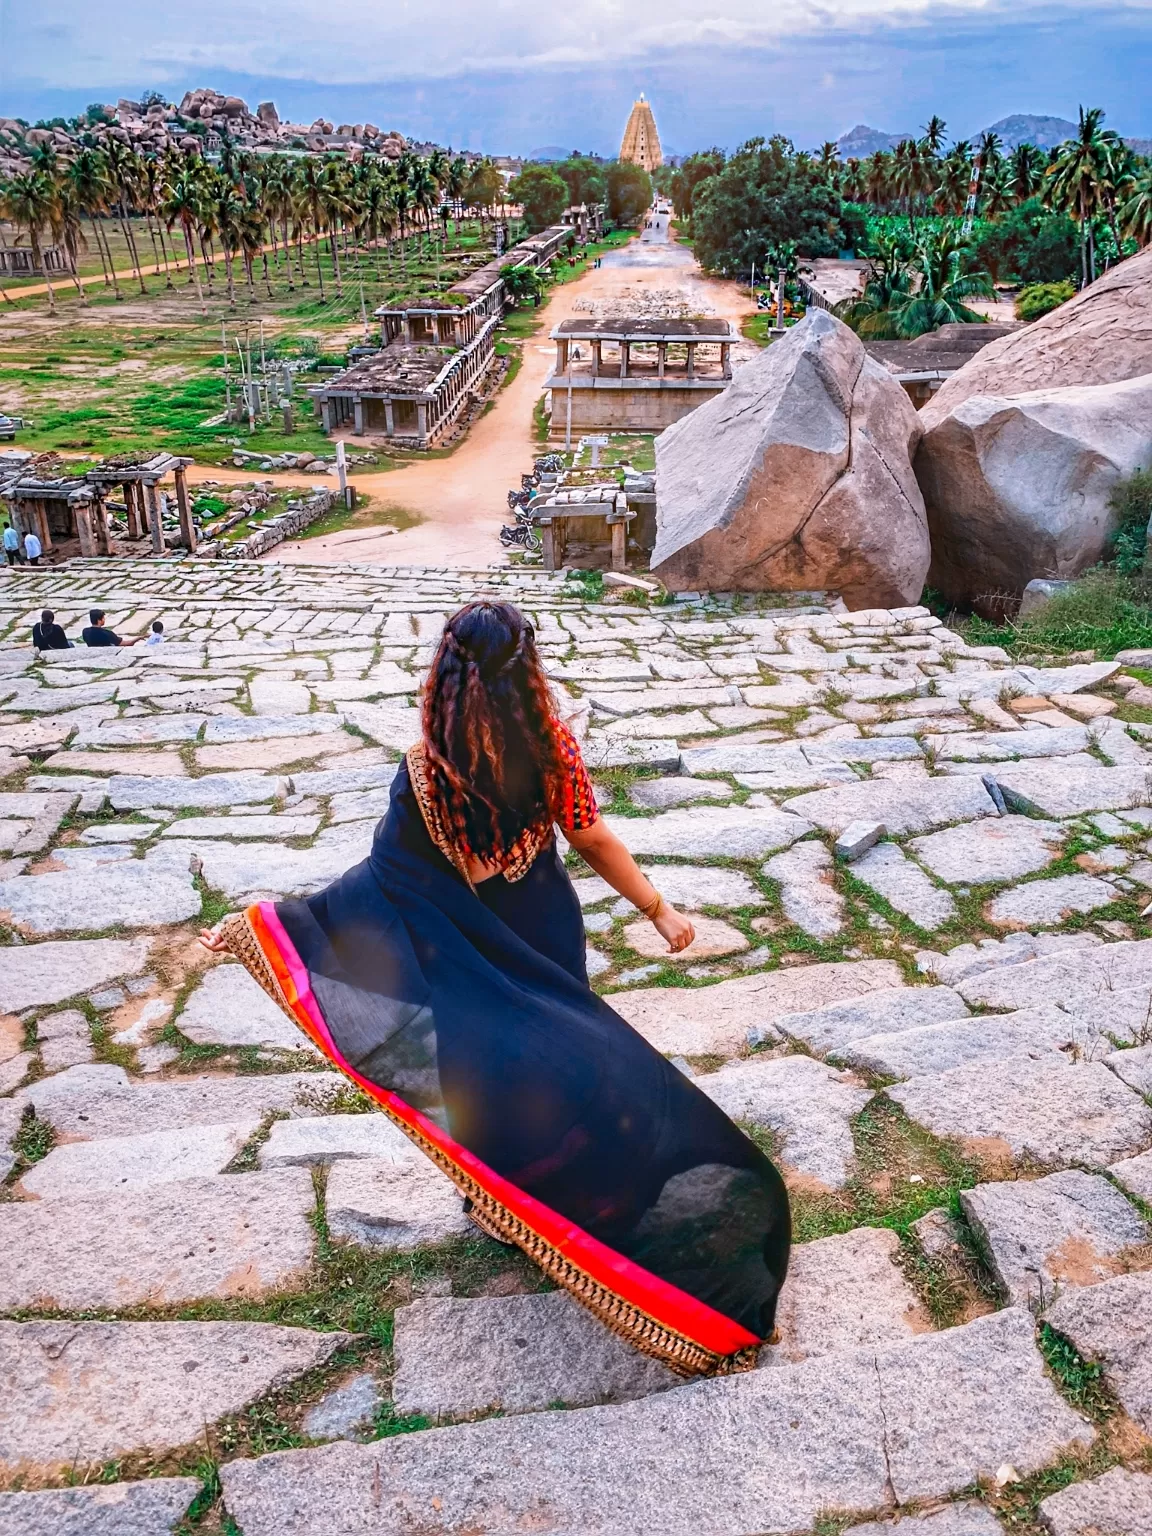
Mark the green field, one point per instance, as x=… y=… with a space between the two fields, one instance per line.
x=108 y=376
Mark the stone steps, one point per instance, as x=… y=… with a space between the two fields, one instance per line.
x=750 y=1455
x=236 y=753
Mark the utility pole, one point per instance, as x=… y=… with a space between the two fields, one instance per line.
x=973 y=193
x=227 y=373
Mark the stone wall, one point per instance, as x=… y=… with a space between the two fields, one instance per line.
x=286 y=526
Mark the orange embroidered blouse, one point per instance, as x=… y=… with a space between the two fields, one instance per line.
x=578 y=810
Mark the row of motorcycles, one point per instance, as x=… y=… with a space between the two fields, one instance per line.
x=522 y=534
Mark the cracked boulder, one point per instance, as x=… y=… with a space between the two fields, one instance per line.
x=798 y=477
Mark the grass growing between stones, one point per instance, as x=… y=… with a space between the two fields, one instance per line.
x=901 y=1173
x=1081 y=1381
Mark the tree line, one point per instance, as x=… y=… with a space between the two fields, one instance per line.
x=239 y=209
x=741 y=208
x=545 y=190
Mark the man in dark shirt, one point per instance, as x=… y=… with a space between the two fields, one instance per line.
x=47 y=635
x=95 y=632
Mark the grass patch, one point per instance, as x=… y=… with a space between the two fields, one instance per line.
x=1104 y=612
x=368 y=513
x=34 y=1138
x=1081 y=1381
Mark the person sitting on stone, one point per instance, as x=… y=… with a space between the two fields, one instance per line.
x=33 y=549
x=11 y=545
x=96 y=632
x=47 y=635
x=156 y=637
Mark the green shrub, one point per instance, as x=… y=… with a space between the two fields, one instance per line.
x=1041 y=298
x=1131 y=501
x=1105 y=611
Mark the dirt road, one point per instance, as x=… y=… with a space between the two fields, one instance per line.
x=461 y=499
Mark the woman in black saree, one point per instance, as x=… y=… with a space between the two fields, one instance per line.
x=446 y=976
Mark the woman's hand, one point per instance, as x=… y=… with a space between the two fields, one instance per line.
x=674 y=927
x=212 y=941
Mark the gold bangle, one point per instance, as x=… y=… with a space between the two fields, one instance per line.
x=653 y=908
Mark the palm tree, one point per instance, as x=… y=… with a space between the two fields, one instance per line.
x=123 y=172
x=955 y=179
x=939 y=297
x=88 y=174
x=988 y=158
x=999 y=191
x=878 y=177
x=1027 y=165
x=457 y=180
x=423 y=190
x=68 y=228
x=310 y=185
x=853 y=185
x=334 y=202
x=30 y=202
x=1136 y=210
x=182 y=199
x=1078 y=177
x=151 y=179
x=888 y=283
x=228 y=214
x=933 y=140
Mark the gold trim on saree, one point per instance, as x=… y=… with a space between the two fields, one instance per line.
x=519 y=858
x=684 y=1355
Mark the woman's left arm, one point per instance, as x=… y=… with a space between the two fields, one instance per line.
x=603 y=851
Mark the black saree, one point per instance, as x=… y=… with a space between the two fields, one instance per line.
x=466 y=1014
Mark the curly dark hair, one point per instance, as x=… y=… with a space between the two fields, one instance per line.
x=489 y=730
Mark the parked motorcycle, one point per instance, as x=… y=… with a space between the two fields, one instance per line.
x=522 y=536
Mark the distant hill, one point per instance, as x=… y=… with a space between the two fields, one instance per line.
x=548 y=152
x=860 y=142
x=1140 y=146
x=1023 y=128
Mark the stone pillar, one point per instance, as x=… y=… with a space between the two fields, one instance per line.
x=625 y=350
x=43 y=528
x=597 y=358
x=725 y=360
x=100 y=522
x=184 y=507
x=422 y=423
x=326 y=415
x=691 y=359
x=358 y=416
x=389 y=418
x=132 y=507
x=548 y=543
x=82 y=512
x=661 y=358
x=619 y=545
x=155 y=526
x=561 y=355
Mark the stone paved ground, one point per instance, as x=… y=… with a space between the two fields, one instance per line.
x=922 y=981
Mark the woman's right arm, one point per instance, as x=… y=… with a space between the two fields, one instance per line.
x=603 y=851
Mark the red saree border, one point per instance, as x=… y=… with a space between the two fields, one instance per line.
x=665 y=1305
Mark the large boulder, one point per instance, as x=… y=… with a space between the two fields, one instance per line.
x=1101 y=336
x=1018 y=487
x=797 y=478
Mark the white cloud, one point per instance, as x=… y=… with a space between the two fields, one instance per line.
x=362 y=40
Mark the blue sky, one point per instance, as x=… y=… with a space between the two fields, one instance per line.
x=504 y=77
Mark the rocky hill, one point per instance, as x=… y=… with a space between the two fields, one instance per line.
x=860 y=142
x=1025 y=128
x=203 y=119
